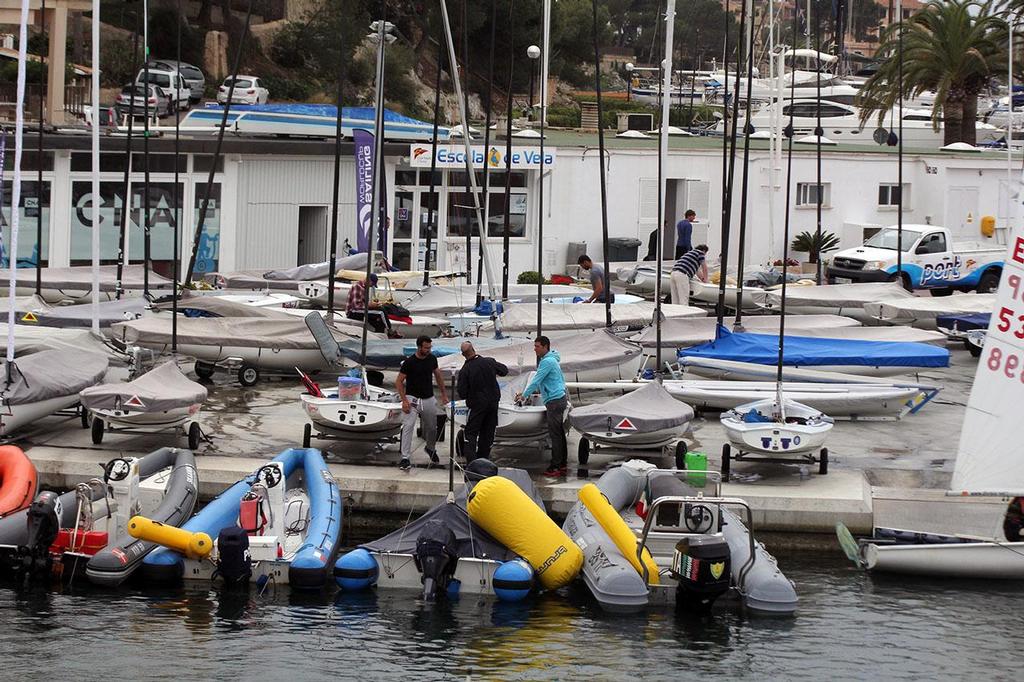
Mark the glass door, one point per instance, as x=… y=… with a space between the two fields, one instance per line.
x=404 y=227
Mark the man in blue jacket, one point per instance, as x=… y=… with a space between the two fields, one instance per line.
x=549 y=381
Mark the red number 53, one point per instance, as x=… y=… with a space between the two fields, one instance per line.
x=1006 y=317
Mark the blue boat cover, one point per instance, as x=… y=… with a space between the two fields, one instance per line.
x=806 y=351
x=964 y=322
x=324 y=110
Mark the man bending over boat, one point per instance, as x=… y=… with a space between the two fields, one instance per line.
x=691 y=264
x=596 y=280
x=478 y=386
x=360 y=303
x=549 y=381
x=415 y=387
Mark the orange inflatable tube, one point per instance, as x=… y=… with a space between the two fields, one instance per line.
x=18 y=480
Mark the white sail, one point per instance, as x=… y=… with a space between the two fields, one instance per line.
x=990 y=459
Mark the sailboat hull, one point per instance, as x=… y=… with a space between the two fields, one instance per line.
x=967 y=560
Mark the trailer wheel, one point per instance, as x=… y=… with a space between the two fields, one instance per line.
x=460 y=442
x=84 y=414
x=203 y=370
x=975 y=351
x=97 y=430
x=248 y=376
x=681 y=455
x=194 y=434
x=823 y=461
x=583 y=452
x=726 y=456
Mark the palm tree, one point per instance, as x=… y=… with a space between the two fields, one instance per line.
x=953 y=47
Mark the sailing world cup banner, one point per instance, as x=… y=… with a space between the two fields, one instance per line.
x=454 y=156
x=364 y=186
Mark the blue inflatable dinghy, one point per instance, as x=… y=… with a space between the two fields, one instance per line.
x=281 y=523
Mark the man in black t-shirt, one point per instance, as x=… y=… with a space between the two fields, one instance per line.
x=416 y=389
x=478 y=386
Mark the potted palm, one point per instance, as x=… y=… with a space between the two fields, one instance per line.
x=814 y=244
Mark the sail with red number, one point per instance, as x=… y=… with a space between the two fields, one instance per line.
x=990 y=459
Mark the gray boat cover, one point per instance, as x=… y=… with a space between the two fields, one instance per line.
x=218 y=306
x=647 y=409
x=579 y=351
x=523 y=317
x=247 y=280
x=30 y=339
x=161 y=389
x=691 y=331
x=304 y=273
x=927 y=308
x=50 y=374
x=79 y=278
x=80 y=315
x=460 y=297
x=471 y=540
x=834 y=295
x=246 y=332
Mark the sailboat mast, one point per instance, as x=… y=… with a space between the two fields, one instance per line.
x=724 y=255
x=126 y=184
x=39 y=160
x=666 y=100
x=508 y=155
x=602 y=173
x=146 y=243
x=818 y=132
x=19 y=144
x=785 y=235
x=432 y=194
x=487 y=153
x=336 y=184
x=738 y=326
x=899 y=150
x=176 y=257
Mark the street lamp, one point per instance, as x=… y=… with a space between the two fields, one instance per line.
x=629 y=80
x=533 y=52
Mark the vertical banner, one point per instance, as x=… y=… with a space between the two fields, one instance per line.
x=364 y=186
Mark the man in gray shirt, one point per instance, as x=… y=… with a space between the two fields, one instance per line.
x=596 y=280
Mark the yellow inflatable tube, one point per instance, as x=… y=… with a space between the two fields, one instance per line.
x=501 y=508
x=624 y=538
x=192 y=545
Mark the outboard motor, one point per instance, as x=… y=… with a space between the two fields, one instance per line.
x=43 y=526
x=435 y=558
x=479 y=469
x=700 y=564
x=234 y=564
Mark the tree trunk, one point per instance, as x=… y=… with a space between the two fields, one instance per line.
x=205 y=13
x=968 y=128
x=952 y=120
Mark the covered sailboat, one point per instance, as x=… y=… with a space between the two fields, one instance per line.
x=37 y=385
x=923 y=312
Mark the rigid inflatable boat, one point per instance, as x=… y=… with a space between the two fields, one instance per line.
x=84 y=530
x=276 y=528
x=18 y=480
x=649 y=539
x=492 y=537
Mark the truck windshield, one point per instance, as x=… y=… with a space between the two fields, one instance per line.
x=889 y=238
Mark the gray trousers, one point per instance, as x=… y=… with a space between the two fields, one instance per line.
x=556 y=430
x=424 y=409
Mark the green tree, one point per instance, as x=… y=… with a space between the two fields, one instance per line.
x=953 y=47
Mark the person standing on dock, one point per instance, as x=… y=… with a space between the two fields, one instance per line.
x=478 y=386
x=356 y=306
x=549 y=381
x=596 y=280
x=693 y=263
x=684 y=234
x=415 y=387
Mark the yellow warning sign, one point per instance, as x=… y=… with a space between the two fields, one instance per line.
x=29 y=317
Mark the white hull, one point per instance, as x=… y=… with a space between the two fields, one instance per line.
x=973 y=560
x=422 y=325
x=514 y=421
x=14 y=417
x=638 y=440
x=859 y=370
x=352 y=417
x=398 y=571
x=154 y=420
x=707 y=292
x=284 y=360
x=777 y=438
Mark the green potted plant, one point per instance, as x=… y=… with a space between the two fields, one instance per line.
x=814 y=244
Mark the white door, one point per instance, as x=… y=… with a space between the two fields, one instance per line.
x=962 y=217
x=934 y=257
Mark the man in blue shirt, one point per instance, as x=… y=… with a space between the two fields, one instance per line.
x=549 y=381
x=684 y=234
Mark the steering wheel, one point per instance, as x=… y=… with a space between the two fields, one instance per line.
x=270 y=475
x=311 y=386
x=117 y=469
x=698 y=518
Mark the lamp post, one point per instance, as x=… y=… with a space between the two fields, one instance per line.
x=533 y=52
x=629 y=80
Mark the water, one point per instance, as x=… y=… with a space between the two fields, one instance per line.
x=849 y=626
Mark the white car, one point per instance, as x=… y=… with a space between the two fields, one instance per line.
x=248 y=90
x=173 y=85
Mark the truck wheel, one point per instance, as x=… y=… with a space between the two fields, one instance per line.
x=942 y=291
x=989 y=282
x=895 y=277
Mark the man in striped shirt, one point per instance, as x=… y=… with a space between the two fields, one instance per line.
x=691 y=264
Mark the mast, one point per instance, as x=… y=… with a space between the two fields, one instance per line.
x=432 y=196
x=126 y=183
x=176 y=265
x=738 y=326
x=724 y=256
x=146 y=242
x=464 y=107
x=540 y=177
x=603 y=178
x=336 y=184
x=95 y=179
x=487 y=152
x=670 y=24
x=39 y=162
x=727 y=208
x=899 y=150
x=19 y=144
x=508 y=156
x=785 y=240
x=818 y=132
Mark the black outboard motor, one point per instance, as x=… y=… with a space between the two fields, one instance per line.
x=479 y=469
x=701 y=565
x=435 y=558
x=43 y=526
x=234 y=564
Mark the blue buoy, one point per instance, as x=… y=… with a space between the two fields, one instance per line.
x=513 y=580
x=356 y=570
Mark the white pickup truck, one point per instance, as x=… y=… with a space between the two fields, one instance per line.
x=931 y=260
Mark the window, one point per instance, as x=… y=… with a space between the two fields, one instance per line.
x=208 y=253
x=933 y=243
x=201 y=163
x=808 y=194
x=810 y=110
x=29 y=158
x=889 y=195
x=28 y=216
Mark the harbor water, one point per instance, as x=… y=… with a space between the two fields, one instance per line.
x=849 y=626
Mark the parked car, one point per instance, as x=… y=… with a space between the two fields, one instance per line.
x=171 y=83
x=248 y=90
x=107 y=116
x=137 y=97
x=192 y=75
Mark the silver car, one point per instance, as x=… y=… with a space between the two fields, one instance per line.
x=193 y=76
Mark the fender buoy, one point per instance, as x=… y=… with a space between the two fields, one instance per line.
x=618 y=530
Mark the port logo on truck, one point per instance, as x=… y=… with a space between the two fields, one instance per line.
x=942 y=271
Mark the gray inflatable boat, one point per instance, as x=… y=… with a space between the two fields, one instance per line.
x=698 y=546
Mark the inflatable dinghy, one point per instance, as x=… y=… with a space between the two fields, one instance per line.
x=85 y=529
x=266 y=526
x=159 y=400
x=449 y=550
x=18 y=480
x=694 y=548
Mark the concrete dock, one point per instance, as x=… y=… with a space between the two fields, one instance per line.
x=891 y=473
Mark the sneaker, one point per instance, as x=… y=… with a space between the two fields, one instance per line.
x=434 y=459
x=556 y=471
x=405 y=464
